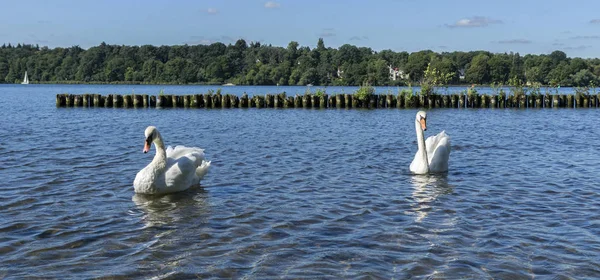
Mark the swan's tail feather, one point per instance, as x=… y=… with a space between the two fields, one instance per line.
x=202 y=169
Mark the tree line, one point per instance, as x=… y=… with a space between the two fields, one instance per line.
x=257 y=64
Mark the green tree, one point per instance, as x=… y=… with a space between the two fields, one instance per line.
x=478 y=71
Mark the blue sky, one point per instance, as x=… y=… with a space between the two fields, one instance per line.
x=524 y=26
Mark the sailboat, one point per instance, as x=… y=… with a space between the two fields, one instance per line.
x=25 y=79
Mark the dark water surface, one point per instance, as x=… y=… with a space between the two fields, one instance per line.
x=297 y=193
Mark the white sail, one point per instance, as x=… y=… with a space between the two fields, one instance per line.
x=25 y=79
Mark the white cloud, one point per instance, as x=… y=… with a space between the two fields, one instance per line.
x=212 y=11
x=595 y=21
x=476 y=21
x=271 y=5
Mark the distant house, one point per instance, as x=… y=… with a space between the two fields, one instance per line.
x=461 y=74
x=340 y=72
x=396 y=73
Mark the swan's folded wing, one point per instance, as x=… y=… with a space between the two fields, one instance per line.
x=433 y=142
x=181 y=172
x=179 y=151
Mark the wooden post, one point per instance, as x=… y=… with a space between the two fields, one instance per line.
x=269 y=100
x=316 y=100
x=556 y=101
x=493 y=101
x=462 y=101
x=400 y=101
x=199 y=100
x=152 y=103
x=137 y=101
x=207 y=100
x=546 y=101
x=260 y=101
x=225 y=102
x=332 y=101
x=438 y=100
x=108 y=101
x=187 y=101
x=348 y=100
x=484 y=101
x=60 y=101
x=117 y=101
x=216 y=102
x=193 y=101
x=586 y=101
x=244 y=101
x=298 y=101
x=252 y=102
x=373 y=101
x=307 y=100
x=445 y=101
x=356 y=102
x=381 y=100
x=323 y=103
x=578 y=100
x=127 y=101
x=96 y=100
x=278 y=100
x=161 y=102
x=570 y=101
x=76 y=100
x=454 y=100
x=86 y=100
x=339 y=100
x=234 y=100
x=389 y=101
x=431 y=101
x=422 y=101
x=289 y=102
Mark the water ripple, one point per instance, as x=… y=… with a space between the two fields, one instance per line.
x=301 y=194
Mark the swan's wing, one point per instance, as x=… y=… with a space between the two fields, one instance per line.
x=440 y=152
x=179 y=151
x=181 y=172
x=433 y=142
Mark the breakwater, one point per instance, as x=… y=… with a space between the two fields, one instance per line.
x=324 y=101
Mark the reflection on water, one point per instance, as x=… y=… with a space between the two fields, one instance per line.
x=426 y=189
x=170 y=209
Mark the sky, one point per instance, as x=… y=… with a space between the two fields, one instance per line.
x=524 y=26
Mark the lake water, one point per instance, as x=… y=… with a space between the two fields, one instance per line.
x=296 y=193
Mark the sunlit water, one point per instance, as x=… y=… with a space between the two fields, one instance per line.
x=297 y=193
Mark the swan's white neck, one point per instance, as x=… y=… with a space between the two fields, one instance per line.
x=160 y=158
x=422 y=152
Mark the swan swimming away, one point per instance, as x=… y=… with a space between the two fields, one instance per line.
x=173 y=170
x=432 y=155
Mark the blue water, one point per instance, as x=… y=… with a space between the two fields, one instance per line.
x=296 y=193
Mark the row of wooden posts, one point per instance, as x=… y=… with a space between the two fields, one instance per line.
x=281 y=100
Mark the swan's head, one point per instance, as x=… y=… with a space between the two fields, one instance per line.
x=422 y=119
x=151 y=134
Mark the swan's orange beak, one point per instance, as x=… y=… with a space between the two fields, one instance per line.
x=146 y=146
x=423 y=122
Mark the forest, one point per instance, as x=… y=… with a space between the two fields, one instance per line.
x=258 y=64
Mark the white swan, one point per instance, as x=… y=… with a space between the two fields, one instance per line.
x=173 y=170
x=433 y=154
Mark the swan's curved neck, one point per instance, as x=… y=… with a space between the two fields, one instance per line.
x=160 y=158
x=422 y=152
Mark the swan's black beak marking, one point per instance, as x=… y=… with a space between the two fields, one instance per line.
x=147 y=144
